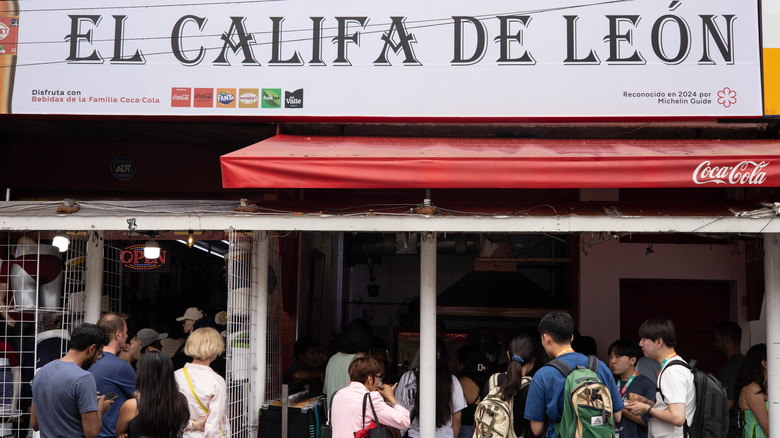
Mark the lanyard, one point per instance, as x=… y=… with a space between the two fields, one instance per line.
x=625 y=387
x=565 y=350
x=670 y=356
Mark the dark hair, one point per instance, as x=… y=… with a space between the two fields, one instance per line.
x=658 y=327
x=625 y=347
x=527 y=348
x=162 y=409
x=362 y=367
x=475 y=364
x=358 y=336
x=730 y=330
x=111 y=323
x=302 y=345
x=751 y=370
x=558 y=325
x=85 y=335
x=443 y=386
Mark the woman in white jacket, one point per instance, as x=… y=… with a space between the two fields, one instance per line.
x=205 y=390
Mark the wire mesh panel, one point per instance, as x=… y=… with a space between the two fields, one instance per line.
x=241 y=333
x=112 y=277
x=75 y=283
x=36 y=283
x=274 y=371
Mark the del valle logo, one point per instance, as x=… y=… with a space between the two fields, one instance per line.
x=742 y=173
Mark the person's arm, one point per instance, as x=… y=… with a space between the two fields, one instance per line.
x=218 y=407
x=537 y=427
x=635 y=418
x=757 y=404
x=127 y=412
x=391 y=413
x=33 y=418
x=456 y=417
x=91 y=422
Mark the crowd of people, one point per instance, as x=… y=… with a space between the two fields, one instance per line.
x=95 y=391
x=649 y=396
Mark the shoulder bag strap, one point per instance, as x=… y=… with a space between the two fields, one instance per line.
x=561 y=366
x=593 y=364
x=192 y=389
x=370 y=402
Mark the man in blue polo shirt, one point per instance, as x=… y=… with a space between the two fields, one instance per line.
x=112 y=374
x=546 y=393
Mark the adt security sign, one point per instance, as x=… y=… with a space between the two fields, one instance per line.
x=122 y=168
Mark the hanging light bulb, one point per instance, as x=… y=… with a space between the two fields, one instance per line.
x=61 y=241
x=190 y=239
x=152 y=249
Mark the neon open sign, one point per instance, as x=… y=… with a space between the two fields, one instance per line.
x=132 y=257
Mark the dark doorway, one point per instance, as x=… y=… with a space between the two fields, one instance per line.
x=694 y=306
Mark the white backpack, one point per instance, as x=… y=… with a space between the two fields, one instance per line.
x=494 y=417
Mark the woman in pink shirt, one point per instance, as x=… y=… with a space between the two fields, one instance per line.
x=365 y=375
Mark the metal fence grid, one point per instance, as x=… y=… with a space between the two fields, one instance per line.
x=241 y=333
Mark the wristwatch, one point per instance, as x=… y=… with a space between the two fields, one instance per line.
x=649 y=412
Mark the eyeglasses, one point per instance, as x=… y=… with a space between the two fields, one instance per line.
x=100 y=356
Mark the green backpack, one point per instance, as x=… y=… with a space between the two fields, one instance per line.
x=587 y=406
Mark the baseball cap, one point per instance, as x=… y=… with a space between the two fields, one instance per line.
x=147 y=336
x=192 y=313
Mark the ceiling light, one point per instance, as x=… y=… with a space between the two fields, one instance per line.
x=152 y=249
x=61 y=241
x=190 y=239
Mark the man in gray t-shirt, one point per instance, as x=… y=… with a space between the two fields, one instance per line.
x=65 y=399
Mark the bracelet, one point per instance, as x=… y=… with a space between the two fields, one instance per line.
x=649 y=412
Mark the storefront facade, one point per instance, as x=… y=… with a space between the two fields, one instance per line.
x=602 y=122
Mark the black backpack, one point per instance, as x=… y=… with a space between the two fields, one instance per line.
x=711 y=418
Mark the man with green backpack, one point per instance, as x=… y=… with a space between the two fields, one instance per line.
x=576 y=393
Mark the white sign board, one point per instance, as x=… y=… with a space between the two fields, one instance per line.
x=409 y=59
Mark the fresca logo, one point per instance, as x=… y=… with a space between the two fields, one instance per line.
x=293 y=99
x=226 y=97
x=204 y=98
x=272 y=98
x=180 y=97
x=248 y=98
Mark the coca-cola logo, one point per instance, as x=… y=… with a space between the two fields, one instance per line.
x=204 y=98
x=180 y=97
x=743 y=173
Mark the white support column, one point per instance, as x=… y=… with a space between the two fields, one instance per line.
x=259 y=294
x=772 y=302
x=427 y=384
x=94 y=277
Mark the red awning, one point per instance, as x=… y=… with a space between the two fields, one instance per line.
x=287 y=161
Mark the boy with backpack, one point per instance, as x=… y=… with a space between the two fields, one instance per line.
x=675 y=401
x=574 y=391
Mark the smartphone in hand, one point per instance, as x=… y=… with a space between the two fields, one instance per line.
x=111 y=395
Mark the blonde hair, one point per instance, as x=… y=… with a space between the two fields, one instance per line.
x=204 y=343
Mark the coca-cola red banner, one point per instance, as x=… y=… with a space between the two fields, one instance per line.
x=383 y=162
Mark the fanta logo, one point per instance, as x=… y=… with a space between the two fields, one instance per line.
x=225 y=98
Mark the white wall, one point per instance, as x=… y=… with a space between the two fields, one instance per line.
x=606 y=263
